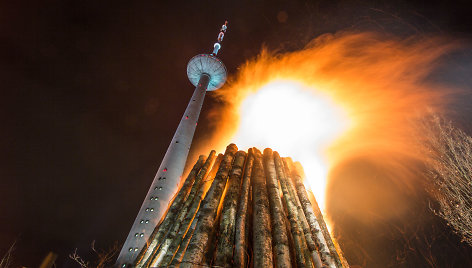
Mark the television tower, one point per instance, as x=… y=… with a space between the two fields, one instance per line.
x=207 y=73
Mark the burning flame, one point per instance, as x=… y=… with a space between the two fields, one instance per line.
x=343 y=95
x=297 y=121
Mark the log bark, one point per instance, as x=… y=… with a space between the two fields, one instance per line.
x=188 y=235
x=172 y=240
x=262 y=238
x=328 y=253
x=241 y=255
x=279 y=233
x=339 y=259
x=198 y=244
x=309 y=246
x=159 y=233
x=292 y=211
x=313 y=243
x=225 y=244
x=183 y=245
x=339 y=262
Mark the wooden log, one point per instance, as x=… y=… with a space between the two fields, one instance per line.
x=225 y=244
x=165 y=249
x=328 y=253
x=314 y=224
x=289 y=233
x=313 y=243
x=326 y=233
x=199 y=242
x=213 y=234
x=144 y=260
x=177 y=258
x=192 y=204
x=279 y=233
x=241 y=254
x=339 y=261
x=292 y=211
x=262 y=237
x=308 y=246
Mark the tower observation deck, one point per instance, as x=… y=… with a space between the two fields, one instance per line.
x=207 y=73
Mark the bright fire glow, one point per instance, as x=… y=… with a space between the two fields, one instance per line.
x=289 y=117
x=345 y=96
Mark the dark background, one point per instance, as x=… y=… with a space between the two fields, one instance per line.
x=92 y=91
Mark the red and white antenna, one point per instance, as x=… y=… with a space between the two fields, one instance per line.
x=221 y=35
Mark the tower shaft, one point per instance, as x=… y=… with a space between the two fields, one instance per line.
x=206 y=73
x=167 y=179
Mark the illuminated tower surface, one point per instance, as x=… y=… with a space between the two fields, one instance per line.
x=207 y=73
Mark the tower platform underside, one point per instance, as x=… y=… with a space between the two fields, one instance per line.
x=207 y=64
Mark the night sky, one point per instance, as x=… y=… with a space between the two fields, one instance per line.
x=92 y=92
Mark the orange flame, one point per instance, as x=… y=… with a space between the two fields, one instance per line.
x=344 y=94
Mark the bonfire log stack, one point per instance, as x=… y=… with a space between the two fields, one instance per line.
x=242 y=210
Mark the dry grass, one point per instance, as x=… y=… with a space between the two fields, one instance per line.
x=449 y=164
